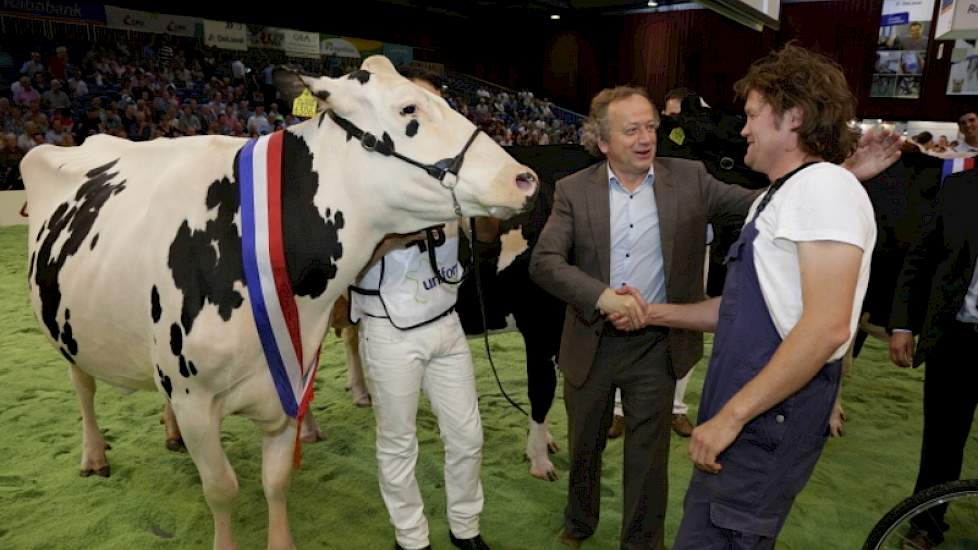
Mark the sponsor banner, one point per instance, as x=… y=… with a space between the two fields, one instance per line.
x=335 y=46
x=142 y=21
x=301 y=44
x=269 y=38
x=226 y=35
x=76 y=12
x=13 y=208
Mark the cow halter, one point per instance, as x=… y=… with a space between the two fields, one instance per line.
x=385 y=147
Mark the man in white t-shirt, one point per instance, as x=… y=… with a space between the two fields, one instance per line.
x=794 y=288
x=412 y=340
x=968 y=125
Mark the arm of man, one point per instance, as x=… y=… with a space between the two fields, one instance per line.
x=551 y=268
x=829 y=273
x=877 y=151
x=700 y=316
x=725 y=203
x=913 y=284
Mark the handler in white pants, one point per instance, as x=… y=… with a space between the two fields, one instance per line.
x=411 y=339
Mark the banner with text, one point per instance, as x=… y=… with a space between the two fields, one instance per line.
x=222 y=34
x=74 y=12
x=143 y=21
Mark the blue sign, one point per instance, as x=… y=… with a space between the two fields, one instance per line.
x=48 y=9
x=399 y=54
x=891 y=19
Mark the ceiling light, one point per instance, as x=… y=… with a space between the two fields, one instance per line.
x=555 y=17
x=653 y=4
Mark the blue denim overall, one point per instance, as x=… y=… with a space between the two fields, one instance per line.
x=746 y=504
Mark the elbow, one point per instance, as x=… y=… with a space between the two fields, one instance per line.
x=838 y=335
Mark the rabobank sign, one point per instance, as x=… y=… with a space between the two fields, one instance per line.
x=55 y=10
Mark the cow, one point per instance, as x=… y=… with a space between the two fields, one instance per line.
x=137 y=263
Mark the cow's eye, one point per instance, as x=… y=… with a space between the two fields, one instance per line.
x=409 y=110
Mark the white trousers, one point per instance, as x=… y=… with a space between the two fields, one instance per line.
x=400 y=363
x=678 y=400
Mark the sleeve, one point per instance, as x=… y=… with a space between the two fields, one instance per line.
x=827 y=205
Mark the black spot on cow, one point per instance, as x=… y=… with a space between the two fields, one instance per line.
x=322 y=94
x=68 y=357
x=154 y=305
x=67 y=337
x=94 y=241
x=165 y=382
x=360 y=75
x=176 y=339
x=183 y=368
x=74 y=218
x=312 y=240
x=388 y=142
x=412 y=128
x=187 y=390
x=322 y=117
x=192 y=367
x=30 y=267
x=205 y=273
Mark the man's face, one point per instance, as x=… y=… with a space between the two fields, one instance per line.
x=765 y=133
x=631 y=142
x=968 y=124
x=673 y=107
x=916 y=30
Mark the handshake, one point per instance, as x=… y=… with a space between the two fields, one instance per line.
x=626 y=309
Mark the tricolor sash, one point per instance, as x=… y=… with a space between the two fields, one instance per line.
x=266 y=275
x=952 y=166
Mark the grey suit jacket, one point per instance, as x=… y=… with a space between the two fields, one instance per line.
x=572 y=259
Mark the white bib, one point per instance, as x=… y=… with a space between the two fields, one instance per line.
x=403 y=287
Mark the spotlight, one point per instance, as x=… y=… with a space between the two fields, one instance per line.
x=555 y=17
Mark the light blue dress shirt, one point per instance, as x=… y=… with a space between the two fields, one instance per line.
x=636 y=245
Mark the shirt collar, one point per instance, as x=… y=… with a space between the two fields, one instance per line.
x=613 y=179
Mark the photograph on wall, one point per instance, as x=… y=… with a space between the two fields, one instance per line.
x=902 y=48
x=963 y=76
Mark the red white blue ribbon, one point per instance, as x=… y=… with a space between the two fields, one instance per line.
x=952 y=166
x=266 y=275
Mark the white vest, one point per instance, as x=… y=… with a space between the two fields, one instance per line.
x=403 y=287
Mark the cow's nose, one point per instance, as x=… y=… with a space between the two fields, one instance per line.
x=527 y=182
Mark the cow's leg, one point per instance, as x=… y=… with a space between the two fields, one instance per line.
x=354 y=367
x=93 y=444
x=541 y=385
x=174 y=441
x=277 y=453
x=310 y=431
x=200 y=422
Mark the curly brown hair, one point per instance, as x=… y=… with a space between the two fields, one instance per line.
x=796 y=77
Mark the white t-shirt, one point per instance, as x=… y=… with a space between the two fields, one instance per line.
x=823 y=202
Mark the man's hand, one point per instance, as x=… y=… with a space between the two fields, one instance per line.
x=624 y=323
x=901 y=348
x=711 y=438
x=877 y=150
x=625 y=309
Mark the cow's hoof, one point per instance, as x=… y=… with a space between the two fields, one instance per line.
x=363 y=401
x=104 y=471
x=552 y=447
x=176 y=445
x=108 y=447
x=312 y=437
x=544 y=471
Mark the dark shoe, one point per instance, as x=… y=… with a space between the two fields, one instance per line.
x=570 y=540
x=399 y=547
x=474 y=543
x=617 y=427
x=917 y=539
x=681 y=425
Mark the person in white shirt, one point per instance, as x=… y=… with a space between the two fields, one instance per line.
x=968 y=125
x=412 y=340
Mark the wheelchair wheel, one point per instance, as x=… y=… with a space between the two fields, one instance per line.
x=960 y=498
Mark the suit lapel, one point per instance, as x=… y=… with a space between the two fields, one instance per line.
x=599 y=215
x=666 y=204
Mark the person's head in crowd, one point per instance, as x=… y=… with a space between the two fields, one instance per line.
x=37 y=138
x=61 y=52
x=25 y=82
x=429 y=81
x=797 y=102
x=621 y=125
x=942 y=141
x=968 y=125
x=55 y=84
x=924 y=139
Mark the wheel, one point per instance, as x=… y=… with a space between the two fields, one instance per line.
x=960 y=523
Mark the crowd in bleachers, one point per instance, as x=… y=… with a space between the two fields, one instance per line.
x=154 y=86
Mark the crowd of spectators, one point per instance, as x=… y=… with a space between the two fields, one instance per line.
x=158 y=86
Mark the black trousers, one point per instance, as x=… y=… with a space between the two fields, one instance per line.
x=638 y=364
x=950 y=399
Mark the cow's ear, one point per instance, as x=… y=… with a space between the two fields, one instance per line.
x=289 y=83
x=378 y=64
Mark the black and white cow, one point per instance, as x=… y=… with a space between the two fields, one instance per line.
x=136 y=266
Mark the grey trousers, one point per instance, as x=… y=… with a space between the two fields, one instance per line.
x=638 y=364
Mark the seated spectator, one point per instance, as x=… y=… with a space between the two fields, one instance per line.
x=112 y=122
x=32 y=66
x=24 y=92
x=56 y=99
x=57 y=134
x=188 y=120
x=142 y=130
x=258 y=123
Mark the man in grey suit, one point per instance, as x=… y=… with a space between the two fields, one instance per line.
x=639 y=222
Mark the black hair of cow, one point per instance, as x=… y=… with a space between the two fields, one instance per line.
x=76 y=217
x=165 y=382
x=154 y=305
x=312 y=239
x=360 y=75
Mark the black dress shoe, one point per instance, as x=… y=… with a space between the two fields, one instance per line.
x=399 y=547
x=474 y=543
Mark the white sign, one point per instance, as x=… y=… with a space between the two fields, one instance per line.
x=337 y=47
x=300 y=44
x=221 y=34
x=958 y=19
x=142 y=21
x=13 y=208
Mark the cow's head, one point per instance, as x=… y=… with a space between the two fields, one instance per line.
x=419 y=126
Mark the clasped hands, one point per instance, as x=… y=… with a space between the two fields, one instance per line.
x=625 y=308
